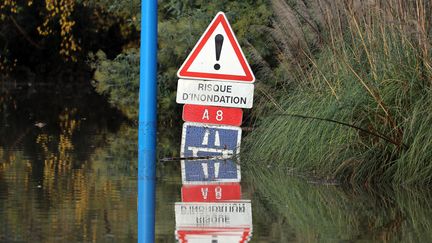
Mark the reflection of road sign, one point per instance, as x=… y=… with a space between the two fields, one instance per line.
x=217 y=55
x=220 y=143
x=211 y=193
x=209 y=235
x=213 y=115
x=220 y=214
x=215 y=93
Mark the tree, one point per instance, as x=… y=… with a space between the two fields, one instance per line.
x=43 y=34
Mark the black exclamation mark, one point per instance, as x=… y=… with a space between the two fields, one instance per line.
x=218 y=42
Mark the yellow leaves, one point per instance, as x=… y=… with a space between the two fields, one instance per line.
x=7 y=3
x=59 y=13
x=44 y=30
x=8 y=6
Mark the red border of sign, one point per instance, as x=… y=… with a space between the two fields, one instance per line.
x=219 y=19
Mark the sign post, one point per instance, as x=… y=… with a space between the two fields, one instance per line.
x=215 y=83
x=147 y=122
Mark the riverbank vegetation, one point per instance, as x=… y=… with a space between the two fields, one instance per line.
x=343 y=89
x=358 y=108
x=180 y=25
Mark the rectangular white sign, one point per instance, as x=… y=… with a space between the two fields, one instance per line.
x=221 y=214
x=215 y=93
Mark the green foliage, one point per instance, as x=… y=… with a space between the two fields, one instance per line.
x=129 y=10
x=180 y=25
x=355 y=114
x=119 y=80
x=284 y=141
x=348 y=84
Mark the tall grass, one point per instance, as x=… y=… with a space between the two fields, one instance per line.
x=360 y=111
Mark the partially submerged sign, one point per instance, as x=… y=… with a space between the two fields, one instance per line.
x=217 y=56
x=220 y=144
x=221 y=215
x=211 y=193
x=213 y=115
x=215 y=81
x=215 y=93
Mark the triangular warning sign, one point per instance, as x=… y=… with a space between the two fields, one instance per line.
x=217 y=56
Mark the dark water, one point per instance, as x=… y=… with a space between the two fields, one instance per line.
x=65 y=171
x=68 y=174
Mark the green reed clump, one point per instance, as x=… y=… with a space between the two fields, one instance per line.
x=414 y=165
x=361 y=112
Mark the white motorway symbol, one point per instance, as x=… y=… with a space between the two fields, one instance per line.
x=219 y=143
x=225 y=153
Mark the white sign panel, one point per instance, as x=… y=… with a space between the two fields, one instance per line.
x=226 y=214
x=215 y=93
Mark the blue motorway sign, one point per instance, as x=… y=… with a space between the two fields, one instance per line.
x=218 y=144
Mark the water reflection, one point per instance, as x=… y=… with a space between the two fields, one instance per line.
x=211 y=209
x=74 y=180
x=229 y=221
x=295 y=210
x=58 y=181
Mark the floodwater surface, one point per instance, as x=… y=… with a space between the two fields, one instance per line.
x=68 y=174
x=67 y=168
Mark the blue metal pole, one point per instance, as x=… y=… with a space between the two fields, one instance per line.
x=147 y=123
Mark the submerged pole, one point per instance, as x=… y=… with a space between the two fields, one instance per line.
x=147 y=123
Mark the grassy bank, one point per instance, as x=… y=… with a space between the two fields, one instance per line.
x=361 y=110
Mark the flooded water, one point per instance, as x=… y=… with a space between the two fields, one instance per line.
x=68 y=174
x=67 y=168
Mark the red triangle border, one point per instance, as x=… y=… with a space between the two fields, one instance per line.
x=219 y=19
